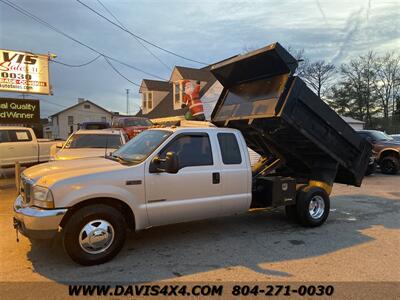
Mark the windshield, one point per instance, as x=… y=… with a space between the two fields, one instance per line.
x=112 y=141
x=140 y=147
x=379 y=136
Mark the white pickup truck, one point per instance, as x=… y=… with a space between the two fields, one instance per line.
x=181 y=174
x=162 y=176
x=20 y=144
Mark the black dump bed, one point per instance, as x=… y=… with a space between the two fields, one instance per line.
x=281 y=117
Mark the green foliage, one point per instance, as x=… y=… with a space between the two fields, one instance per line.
x=368 y=89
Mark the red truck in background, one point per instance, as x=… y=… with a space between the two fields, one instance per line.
x=132 y=126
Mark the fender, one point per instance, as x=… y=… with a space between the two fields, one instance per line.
x=138 y=206
x=387 y=150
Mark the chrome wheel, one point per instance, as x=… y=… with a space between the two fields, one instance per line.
x=316 y=207
x=96 y=236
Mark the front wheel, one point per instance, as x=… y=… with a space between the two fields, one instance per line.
x=94 y=234
x=389 y=165
x=312 y=207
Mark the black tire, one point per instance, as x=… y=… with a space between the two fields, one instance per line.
x=304 y=198
x=389 y=165
x=72 y=231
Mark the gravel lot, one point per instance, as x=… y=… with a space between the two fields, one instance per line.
x=359 y=242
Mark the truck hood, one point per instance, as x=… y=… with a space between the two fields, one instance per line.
x=67 y=154
x=48 y=173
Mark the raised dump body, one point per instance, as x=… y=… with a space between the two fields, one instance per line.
x=282 y=119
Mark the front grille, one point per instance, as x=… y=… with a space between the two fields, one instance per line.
x=25 y=191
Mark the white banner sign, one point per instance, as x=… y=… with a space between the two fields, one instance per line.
x=24 y=72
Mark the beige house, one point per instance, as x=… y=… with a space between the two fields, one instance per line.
x=153 y=92
x=67 y=121
x=162 y=100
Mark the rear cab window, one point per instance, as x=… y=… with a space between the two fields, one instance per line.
x=230 y=150
x=13 y=136
x=4 y=136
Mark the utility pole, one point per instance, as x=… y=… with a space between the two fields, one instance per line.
x=127 y=101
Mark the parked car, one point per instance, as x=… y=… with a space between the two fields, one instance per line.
x=94 y=125
x=396 y=137
x=90 y=143
x=131 y=125
x=20 y=144
x=387 y=150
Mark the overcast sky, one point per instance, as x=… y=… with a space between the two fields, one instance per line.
x=207 y=31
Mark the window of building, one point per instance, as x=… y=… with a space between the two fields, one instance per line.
x=191 y=149
x=103 y=119
x=178 y=93
x=86 y=106
x=70 y=120
x=147 y=100
x=229 y=149
x=144 y=101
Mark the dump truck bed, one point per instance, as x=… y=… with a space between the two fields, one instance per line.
x=281 y=117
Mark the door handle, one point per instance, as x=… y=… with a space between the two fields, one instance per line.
x=216 y=178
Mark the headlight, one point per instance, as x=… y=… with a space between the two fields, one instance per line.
x=42 y=197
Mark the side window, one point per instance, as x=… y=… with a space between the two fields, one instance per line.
x=230 y=150
x=4 y=136
x=192 y=150
x=20 y=136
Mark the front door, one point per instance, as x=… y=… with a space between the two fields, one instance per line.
x=193 y=192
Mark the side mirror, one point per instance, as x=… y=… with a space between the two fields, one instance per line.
x=59 y=145
x=171 y=163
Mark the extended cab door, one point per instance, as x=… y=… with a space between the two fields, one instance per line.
x=194 y=192
x=18 y=145
x=235 y=173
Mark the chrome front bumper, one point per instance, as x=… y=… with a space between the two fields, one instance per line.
x=37 y=223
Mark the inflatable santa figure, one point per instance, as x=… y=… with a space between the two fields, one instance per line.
x=191 y=99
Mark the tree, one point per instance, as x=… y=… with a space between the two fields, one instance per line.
x=387 y=85
x=318 y=75
x=302 y=60
x=355 y=94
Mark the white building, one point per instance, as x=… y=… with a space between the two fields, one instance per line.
x=356 y=124
x=67 y=121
